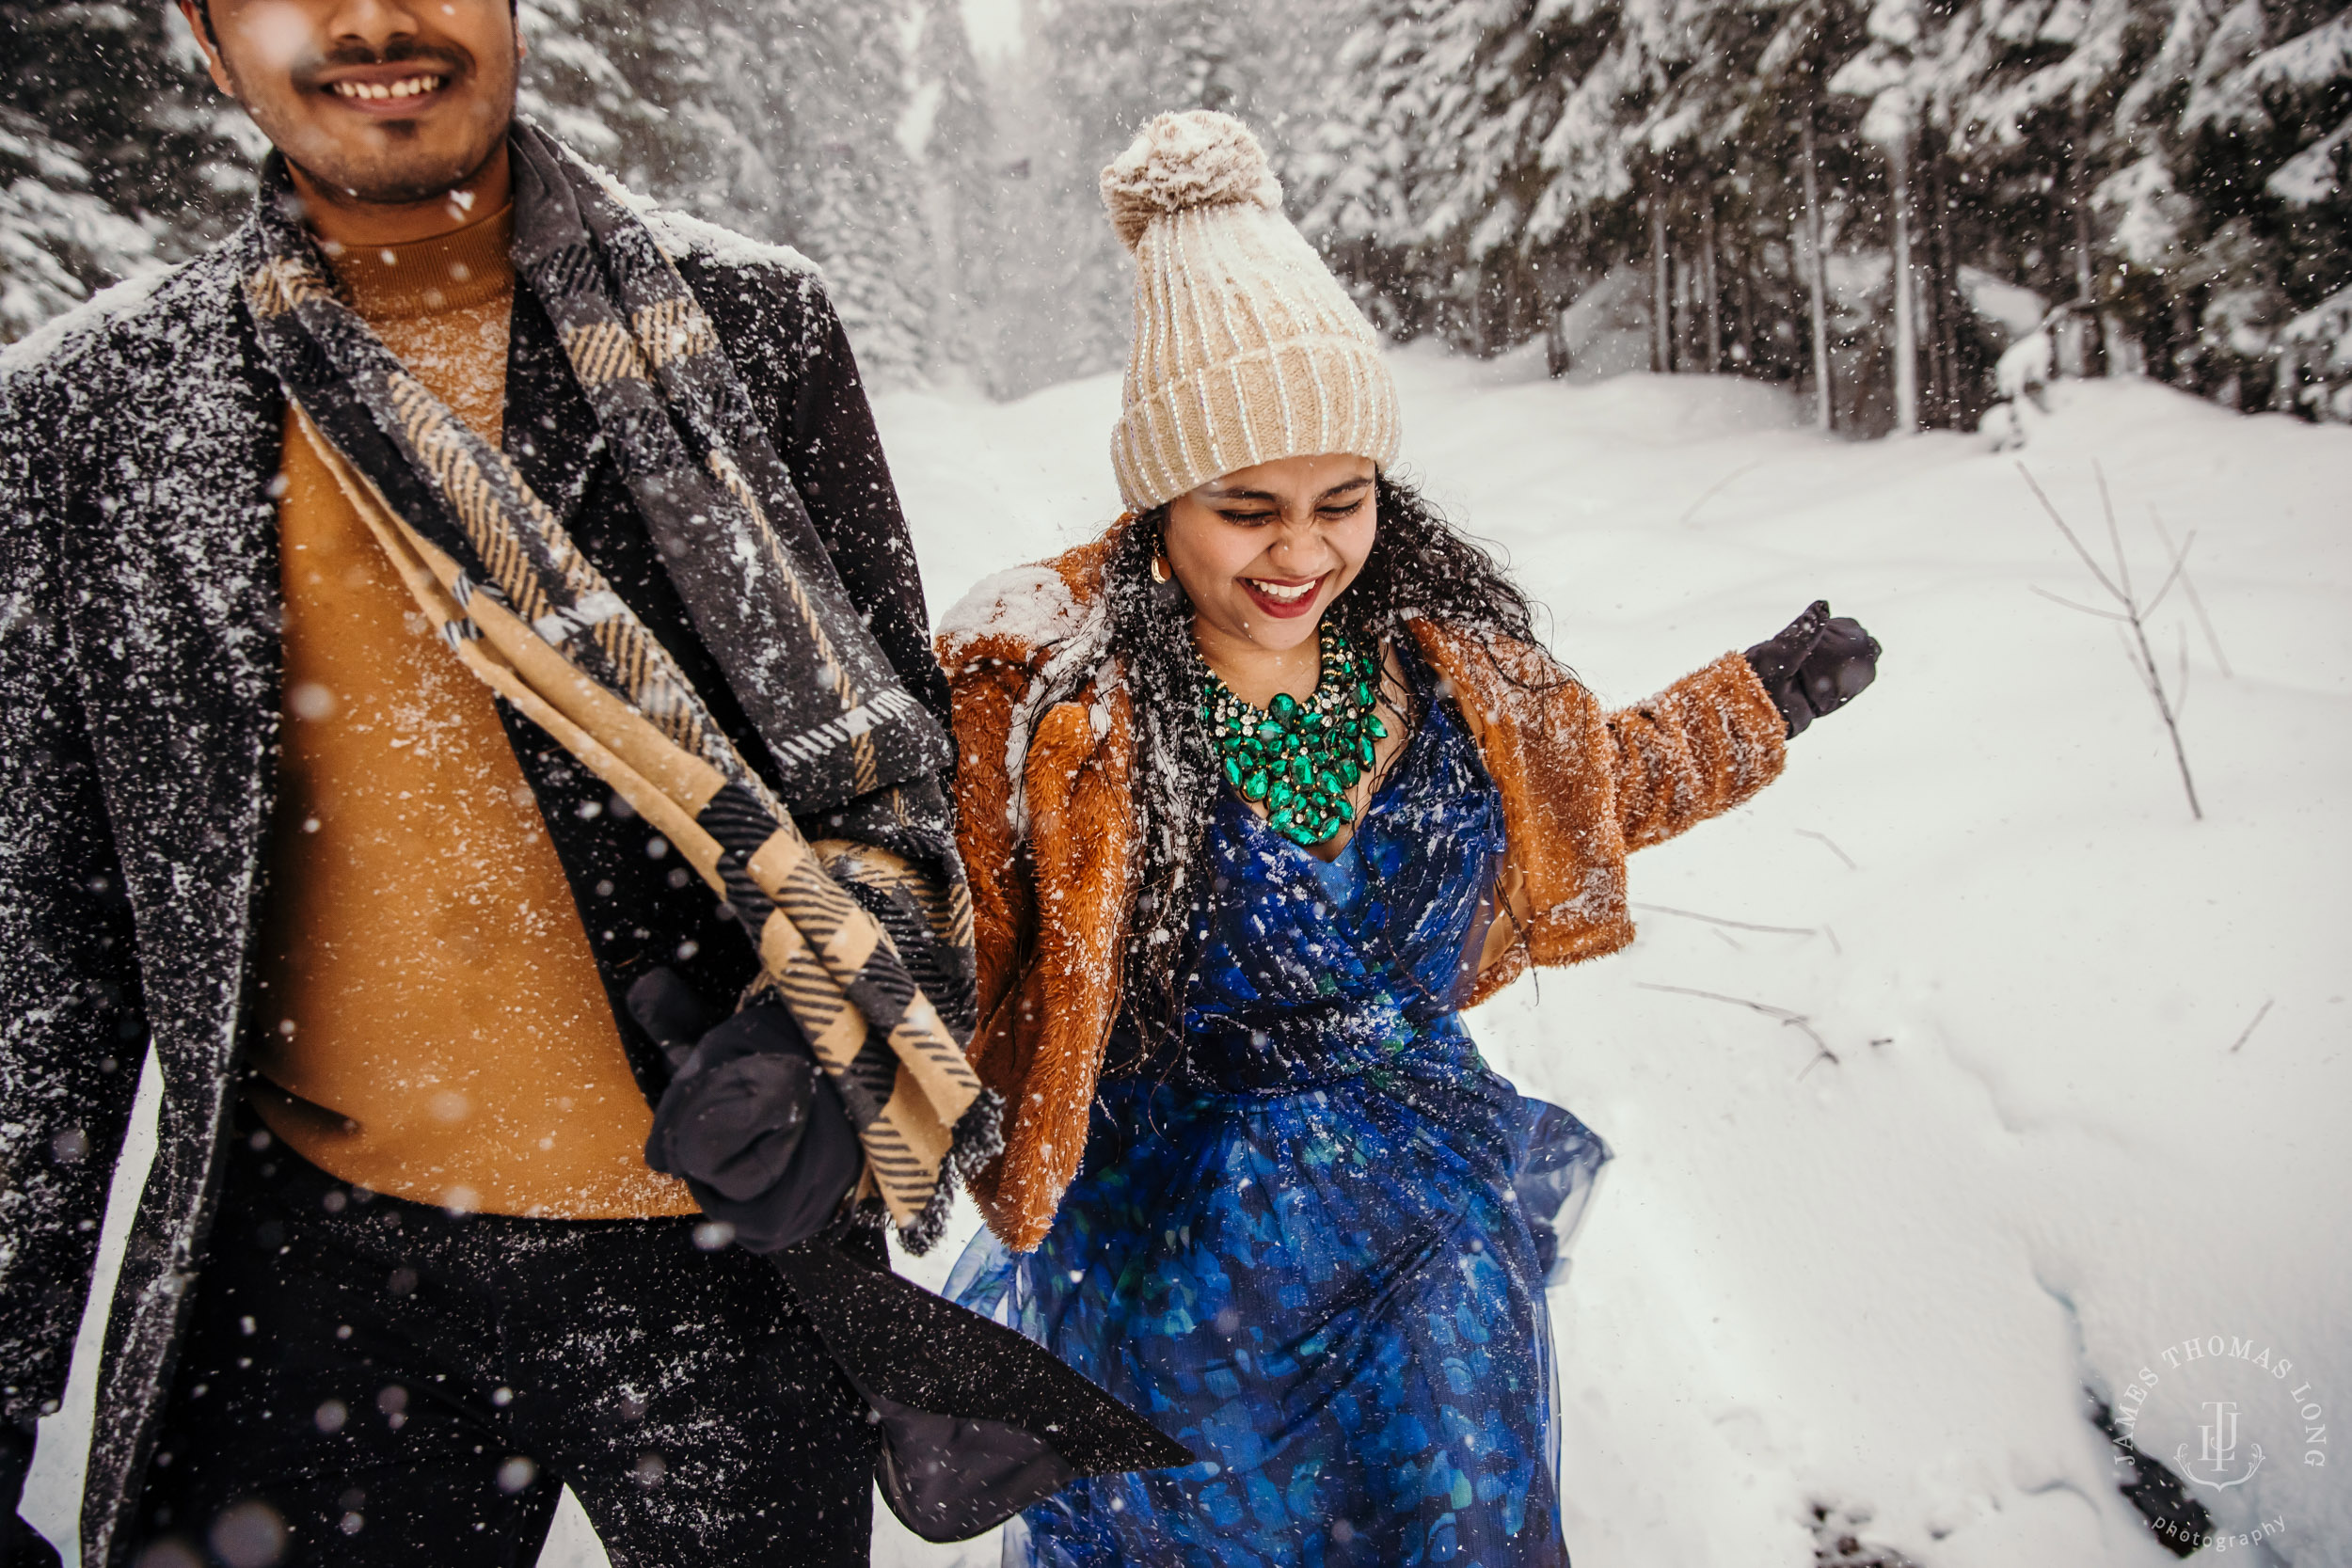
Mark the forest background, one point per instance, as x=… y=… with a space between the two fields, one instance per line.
x=2158 y=187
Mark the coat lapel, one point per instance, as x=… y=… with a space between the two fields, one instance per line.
x=170 y=543
x=177 y=626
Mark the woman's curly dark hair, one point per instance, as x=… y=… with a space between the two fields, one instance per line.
x=1419 y=566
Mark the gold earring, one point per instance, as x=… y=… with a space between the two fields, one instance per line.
x=1159 y=568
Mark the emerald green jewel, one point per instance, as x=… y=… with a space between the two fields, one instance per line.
x=1300 y=758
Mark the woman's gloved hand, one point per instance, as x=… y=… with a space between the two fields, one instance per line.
x=750 y=1121
x=1817 y=665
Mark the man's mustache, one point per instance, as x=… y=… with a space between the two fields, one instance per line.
x=447 y=60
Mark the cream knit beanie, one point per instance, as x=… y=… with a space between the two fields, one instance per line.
x=1246 y=348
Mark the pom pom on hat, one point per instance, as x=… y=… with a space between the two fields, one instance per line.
x=1198 y=158
x=1246 y=349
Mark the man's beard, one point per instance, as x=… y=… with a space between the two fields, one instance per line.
x=397 y=187
x=390 y=169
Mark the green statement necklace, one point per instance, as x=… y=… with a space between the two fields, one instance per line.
x=1301 y=758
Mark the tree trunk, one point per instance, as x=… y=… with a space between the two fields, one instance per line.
x=1817 y=280
x=1743 y=307
x=1686 y=312
x=1713 y=291
x=1948 y=302
x=2085 y=286
x=1906 y=291
x=1556 y=356
x=1662 y=310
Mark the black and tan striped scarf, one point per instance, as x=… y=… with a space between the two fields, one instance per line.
x=841 y=925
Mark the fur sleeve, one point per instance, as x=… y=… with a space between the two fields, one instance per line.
x=1694 y=751
x=983 y=692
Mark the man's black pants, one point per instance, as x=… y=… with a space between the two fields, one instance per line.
x=367 y=1381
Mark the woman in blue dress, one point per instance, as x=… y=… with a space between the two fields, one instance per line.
x=1257 y=792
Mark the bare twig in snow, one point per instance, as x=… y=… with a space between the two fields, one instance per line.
x=2131 y=623
x=1719 y=920
x=2115 y=539
x=1715 y=489
x=1789 y=1020
x=2095 y=570
x=2179 y=700
x=2261 y=1013
x=2087 y=609
x=2196 y=600
x=1824 y=838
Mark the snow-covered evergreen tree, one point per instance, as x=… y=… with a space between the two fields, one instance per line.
x=114 y=154
x=1092 y=74
x=782 y=119
x=2177 y=173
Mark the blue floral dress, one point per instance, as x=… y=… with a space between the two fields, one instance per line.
x=1312 y=1244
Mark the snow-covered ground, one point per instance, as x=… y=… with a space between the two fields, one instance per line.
x=2022 y=1140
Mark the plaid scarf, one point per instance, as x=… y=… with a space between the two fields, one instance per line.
x=838 y=924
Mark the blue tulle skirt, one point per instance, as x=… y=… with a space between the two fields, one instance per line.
x=1312 y=1244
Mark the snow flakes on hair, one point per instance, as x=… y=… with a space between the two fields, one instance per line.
x=1198 y=158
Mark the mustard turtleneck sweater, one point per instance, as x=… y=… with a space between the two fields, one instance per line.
x=431 y=1022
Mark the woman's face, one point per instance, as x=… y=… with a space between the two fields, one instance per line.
x=1263 y=552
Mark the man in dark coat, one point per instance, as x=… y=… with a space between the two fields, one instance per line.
x=399 y=1271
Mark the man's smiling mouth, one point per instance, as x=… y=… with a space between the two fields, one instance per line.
x=408 y=87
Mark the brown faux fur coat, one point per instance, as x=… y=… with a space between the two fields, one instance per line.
x=1051 y=902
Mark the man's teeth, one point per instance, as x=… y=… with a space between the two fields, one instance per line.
x=408 y=88
x=1282 y=592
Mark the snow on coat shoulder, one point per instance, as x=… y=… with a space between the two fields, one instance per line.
x=682 y=233
x=1029 y=608
x=93 y=315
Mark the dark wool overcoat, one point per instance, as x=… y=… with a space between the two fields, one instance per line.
x=139 y=674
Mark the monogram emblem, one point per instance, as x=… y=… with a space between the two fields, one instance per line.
x=2215 y=1465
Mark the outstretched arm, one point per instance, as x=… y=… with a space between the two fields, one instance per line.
x=1694 y=751
x=1705 y=744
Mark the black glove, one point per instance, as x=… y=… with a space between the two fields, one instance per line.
x=1815 y=666
x=750 y=1121
x=21 y=1546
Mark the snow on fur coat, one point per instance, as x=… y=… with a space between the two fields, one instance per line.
x=1052 y=904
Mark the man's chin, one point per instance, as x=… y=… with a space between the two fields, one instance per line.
x=394 y=181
